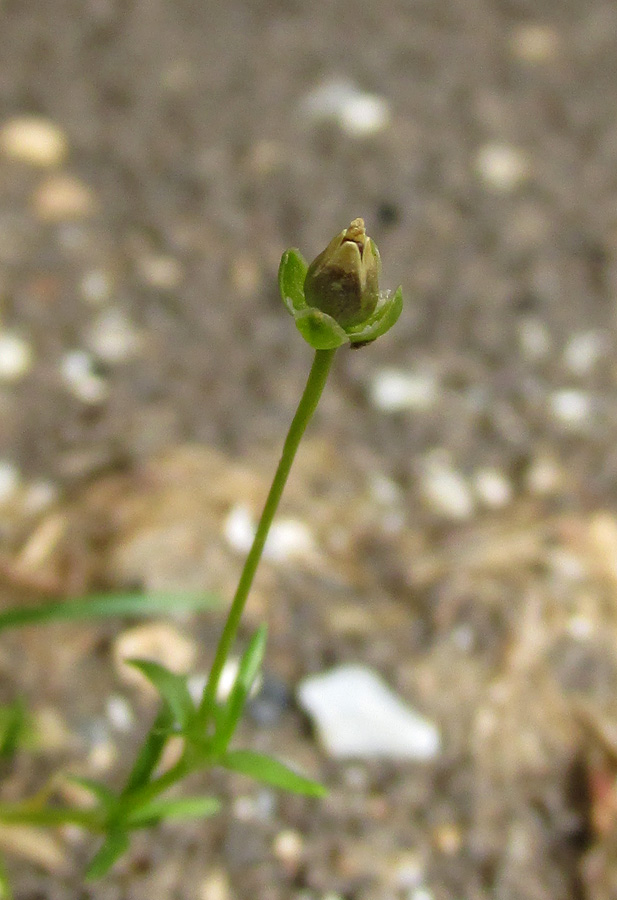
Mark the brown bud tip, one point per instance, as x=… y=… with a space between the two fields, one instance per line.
x=343 y=280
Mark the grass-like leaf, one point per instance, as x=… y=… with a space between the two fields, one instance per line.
x=248 y=670
x=6 y=892
x=14 y=728
x=172 y=808
x=151 y=750
x=265 y=768
x=171 y=687
x=103 y=606
x=115 y=845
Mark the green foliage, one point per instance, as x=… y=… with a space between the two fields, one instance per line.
x=105 y=606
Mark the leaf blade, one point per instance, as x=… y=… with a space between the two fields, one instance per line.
x=271 y=771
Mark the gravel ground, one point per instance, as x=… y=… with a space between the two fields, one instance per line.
x=457 y=493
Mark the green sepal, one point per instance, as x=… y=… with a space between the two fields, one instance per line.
x=384 y=317
x=171 y=687
x=292 y=272
x=320 y=330
x=161 y=808
x=248 y=670
x=271 y=771
x=116 y=843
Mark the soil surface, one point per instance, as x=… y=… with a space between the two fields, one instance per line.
x=457 y=492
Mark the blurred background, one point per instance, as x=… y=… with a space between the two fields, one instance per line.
x=451 y=523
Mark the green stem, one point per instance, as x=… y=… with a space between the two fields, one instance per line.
x=308 y=403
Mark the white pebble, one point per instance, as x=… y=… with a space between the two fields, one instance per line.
x=358 y=716
x=288 y=538
x=583 y=351
x=239 y=528
x=364 y=114
x=16 y=357
x=33 y=140
x=492 y=488
x=580 y=627
x=571 y=407
x=356 y=112
x=9 y=480
x=113 y=337
x=445 y=488
x=76 y=368
x=393 y=390
x=120 y=713
x=501 y=167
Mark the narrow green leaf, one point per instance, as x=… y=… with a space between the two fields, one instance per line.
x=151 y=750
x=172 y=808
x=6 y=892
x=116 y=843
x=249 y=668
x=265 y=768
x=14 y=728
x=292 y=272
x=105 y=606
x=319 y=329
x=171 y=686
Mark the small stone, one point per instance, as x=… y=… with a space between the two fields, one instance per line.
x=358 y=716
x=239 y=528
x=158 y=641
x=535 y=43
x=10 y=480
x=96 y=287
x=120 y=713
x=393 y=390
x=33 y=140
x=161 y=272
x=288 y=539
x=113 y=337
x=38 y=496
x=445 y=489
x=583 y=351
x=571 y=407
x=534 y=339
x=545 y=476
x=63 y=197
x=215 y=886
x=16 y=357
x=356 y=112
x=501 y=167
x=288 y=847
x=493 y=488
x=77 y=371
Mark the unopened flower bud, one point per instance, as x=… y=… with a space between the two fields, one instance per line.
x=343 y=281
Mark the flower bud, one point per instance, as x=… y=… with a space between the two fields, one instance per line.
x=343 y=281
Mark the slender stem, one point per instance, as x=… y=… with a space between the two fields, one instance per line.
x=308 y=403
